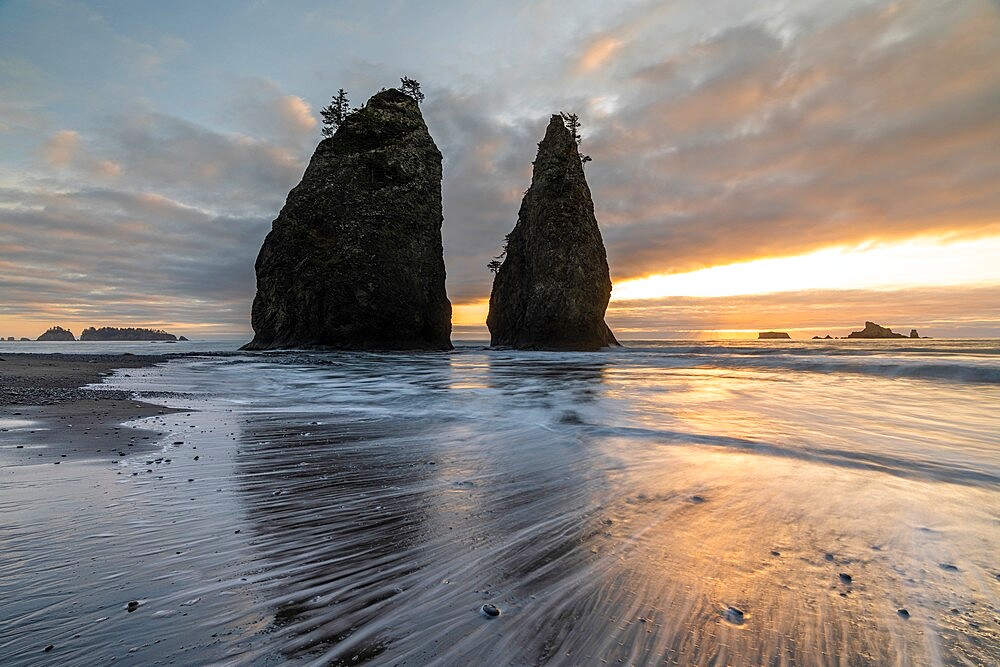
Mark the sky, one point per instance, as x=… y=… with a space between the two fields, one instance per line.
x=796 y=165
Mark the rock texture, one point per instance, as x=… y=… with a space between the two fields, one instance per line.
x=772 y=335
x=873 y=330
x=56 y=333
x=552 y=290
x=354 y=259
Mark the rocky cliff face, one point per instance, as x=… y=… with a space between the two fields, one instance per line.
x=873 y=330
x=354 y=259
x=552 y=290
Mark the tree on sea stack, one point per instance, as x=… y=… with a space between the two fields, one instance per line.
x=412 y=88
x=572 y=121
x=335 y=113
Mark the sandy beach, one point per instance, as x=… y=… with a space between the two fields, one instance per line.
x=46 y=407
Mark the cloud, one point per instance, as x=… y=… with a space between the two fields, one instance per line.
x=881 y=125
x=227 y=172
x=65 y=150
x=261 y=109
x=110 y=254
x=62 y=148
x=597 y=54
x=174 y=239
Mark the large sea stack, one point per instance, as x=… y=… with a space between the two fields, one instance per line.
x=553 y=287
x=354 y=259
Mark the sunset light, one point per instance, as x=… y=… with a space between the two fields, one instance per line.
x=916 y=263
x=558 y=333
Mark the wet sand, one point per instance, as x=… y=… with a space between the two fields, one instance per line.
x=363 y=509
x=48 y=413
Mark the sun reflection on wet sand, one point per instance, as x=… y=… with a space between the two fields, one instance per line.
x=642 y=506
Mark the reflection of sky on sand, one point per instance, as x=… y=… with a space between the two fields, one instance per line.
x=614 y=506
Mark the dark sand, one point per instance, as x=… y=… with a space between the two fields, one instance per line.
x=68 y=421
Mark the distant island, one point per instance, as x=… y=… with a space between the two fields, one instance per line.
x=57 y=333
x=873 y=330
x=772 y=335
x=127 y=333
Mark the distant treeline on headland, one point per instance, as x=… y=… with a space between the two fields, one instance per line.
x=127 y=333
x=108 y=333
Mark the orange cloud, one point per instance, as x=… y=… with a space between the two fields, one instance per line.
x=296 y=112
x=62 y=148
x=597 y=54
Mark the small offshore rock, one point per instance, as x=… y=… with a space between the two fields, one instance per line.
x=48 y=648
x=132 y=606
x=490 y=610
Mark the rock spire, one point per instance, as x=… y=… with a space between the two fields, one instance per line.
x=553 y=287
x=354 y=259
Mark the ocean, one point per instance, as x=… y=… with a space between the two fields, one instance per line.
x=670 y=502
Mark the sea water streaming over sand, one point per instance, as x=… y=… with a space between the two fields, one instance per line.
x=669 y=503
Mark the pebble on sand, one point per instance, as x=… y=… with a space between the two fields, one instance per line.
x=903 y=613
x=845 y=578
x=734 y=615
x=490 y=610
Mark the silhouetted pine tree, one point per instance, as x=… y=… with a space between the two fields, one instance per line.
x=335 y=113
x=412 y=88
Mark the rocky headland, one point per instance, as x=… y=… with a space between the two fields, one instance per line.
x=354 y=259
x=552 y=289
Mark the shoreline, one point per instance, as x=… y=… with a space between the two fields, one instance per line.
x=48 y=416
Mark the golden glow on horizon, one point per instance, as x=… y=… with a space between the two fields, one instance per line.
x=916 y=263
x=470 y=314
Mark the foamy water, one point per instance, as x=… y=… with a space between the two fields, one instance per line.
x=745 y=503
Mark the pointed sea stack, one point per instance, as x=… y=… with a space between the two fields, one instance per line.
x=354 y=259
x=553 y=287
